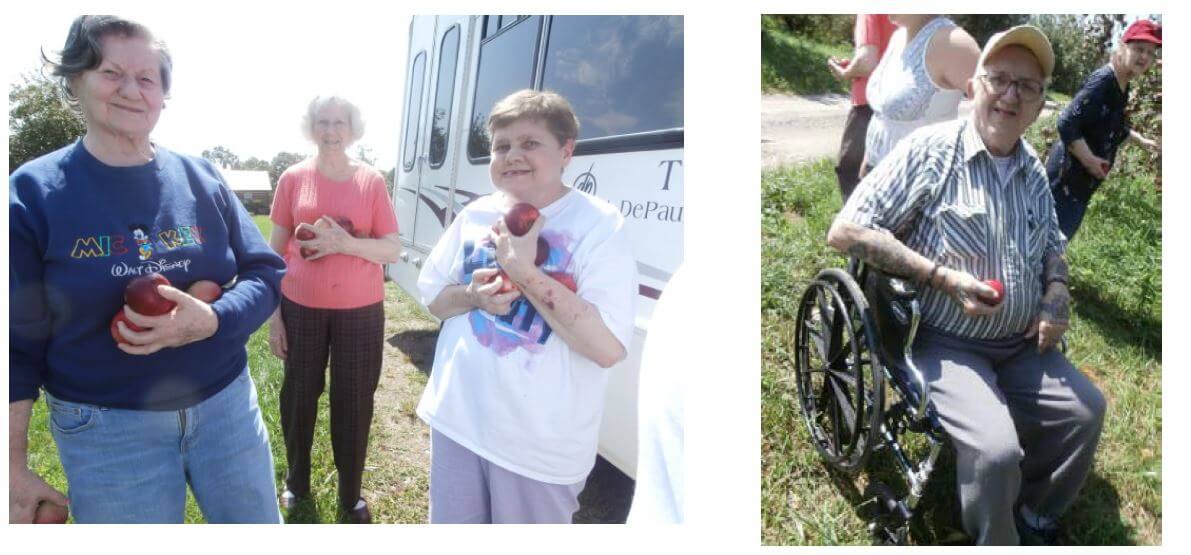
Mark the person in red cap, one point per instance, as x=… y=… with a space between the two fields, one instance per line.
x=1094 y=124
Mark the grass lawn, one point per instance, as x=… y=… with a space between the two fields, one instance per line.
x=796 y=65
x=396 y=476
x=1115 y=338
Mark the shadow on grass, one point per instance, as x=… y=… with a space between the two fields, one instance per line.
x=305 y=512
x=790 y=64
x=418 y=345
x=1095 y=519
x=1120 y=326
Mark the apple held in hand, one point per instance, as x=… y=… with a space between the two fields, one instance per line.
x=120 y=317
x=1104 y=167
x=520 y=218
x=999 y=288
x=141 y=294
x=50 y=513
x=205 y=290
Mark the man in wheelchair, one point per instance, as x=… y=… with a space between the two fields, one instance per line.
x=956 y=204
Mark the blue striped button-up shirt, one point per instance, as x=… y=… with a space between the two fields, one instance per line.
x=939 y=192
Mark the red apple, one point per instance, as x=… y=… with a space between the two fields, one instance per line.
x=120 y=317
x=141 y=294
x=520 y=218
x=304 y=234
x=346 y=224
x=1104 y=167
x=543 y=252
x=205 y=290
x=844 y=63
x=565 y=279
x=506 y=283
x=999 y=288
x=50 y=513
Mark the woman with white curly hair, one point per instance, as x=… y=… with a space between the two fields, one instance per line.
x=334 y=224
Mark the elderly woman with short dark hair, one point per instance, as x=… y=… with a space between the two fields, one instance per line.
x=335 y=225
x=141 y=406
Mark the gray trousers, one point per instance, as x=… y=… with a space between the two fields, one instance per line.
x=1024 y=425
x=466 y=488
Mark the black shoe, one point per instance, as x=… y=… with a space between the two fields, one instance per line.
x=358 y=516
x=1047 y=535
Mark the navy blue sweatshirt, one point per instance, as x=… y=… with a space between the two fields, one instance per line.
x=80 y=230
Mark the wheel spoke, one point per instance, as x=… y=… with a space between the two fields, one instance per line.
x=843 y=402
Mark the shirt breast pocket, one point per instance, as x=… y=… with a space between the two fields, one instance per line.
x=965 y=230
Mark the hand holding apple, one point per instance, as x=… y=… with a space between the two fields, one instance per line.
x=328 y=235
x=518 y=255
x=485 y=292
x=968 y=291
x=192 y=320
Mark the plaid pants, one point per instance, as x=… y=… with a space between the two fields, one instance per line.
x=353 y=339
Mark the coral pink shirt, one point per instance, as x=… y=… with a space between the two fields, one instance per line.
x=875 y=30
x=338 y=280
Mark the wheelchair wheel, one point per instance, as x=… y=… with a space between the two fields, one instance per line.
x=840 y=385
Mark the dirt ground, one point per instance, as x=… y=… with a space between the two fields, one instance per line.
x=399 y=435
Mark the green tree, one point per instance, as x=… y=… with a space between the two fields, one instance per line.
x=280 y=163
x=39 y=121
x=254 y=164
x=222 y=156
x=984 y=26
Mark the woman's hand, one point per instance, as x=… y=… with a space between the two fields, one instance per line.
x=277 y=341
x=516 y=255
x=26 y=491
x=967 y=291
x=191 y=320
x=1097 y=167
x=484 y=292
x=328 y=240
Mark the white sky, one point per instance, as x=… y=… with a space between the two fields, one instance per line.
x=244 y=81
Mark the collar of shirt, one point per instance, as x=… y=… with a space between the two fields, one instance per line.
x=973 y=146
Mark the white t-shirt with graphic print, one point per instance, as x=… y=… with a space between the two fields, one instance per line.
x=507 y=387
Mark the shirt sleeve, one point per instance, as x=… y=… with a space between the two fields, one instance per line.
x=282 y=211
x=868 y=30
x=384 y=218
x=1084 y=110
x=607 y=278
x=29 y=320
x=894 y=193
x=440 y=269
x=257 y=291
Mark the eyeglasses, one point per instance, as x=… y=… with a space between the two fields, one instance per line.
x=1027 y=89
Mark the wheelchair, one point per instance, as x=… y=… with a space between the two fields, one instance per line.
x=858 y=389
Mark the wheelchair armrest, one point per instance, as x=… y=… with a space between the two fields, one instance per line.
x=899 y=288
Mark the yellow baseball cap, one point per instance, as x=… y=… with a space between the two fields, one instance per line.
x=1028 y=36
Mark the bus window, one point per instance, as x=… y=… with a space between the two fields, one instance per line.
x=506 y=65
x=623 y=75
x=443 y=96
x=413 y=112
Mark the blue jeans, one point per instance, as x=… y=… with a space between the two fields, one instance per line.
x=133 y=466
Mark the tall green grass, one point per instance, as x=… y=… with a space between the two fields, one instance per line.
x=1115 y=338
x=797 y=65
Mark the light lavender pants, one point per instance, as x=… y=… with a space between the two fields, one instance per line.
x=466 y=488
x=1024 y=425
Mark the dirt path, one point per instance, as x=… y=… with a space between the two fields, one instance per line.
x=800 y=128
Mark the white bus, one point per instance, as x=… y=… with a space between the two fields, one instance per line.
x=624 y=77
